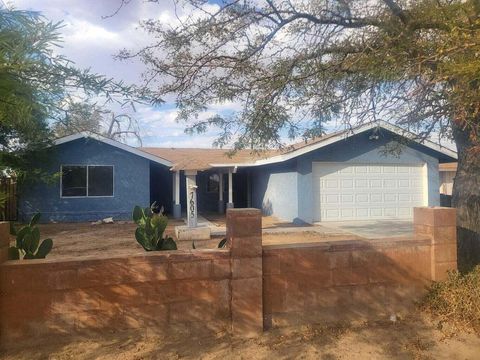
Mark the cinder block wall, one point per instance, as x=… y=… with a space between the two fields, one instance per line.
x=243 y=289
x=348 y=281
x=187 y=291
x=357 y=280
x=157 y=291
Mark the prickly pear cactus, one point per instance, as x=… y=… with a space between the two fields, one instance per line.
x=27 y=242
x=150 y=228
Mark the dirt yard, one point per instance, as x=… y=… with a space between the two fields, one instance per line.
x=84 y=239
x=416 y=338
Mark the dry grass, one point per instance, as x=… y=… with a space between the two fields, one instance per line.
x=411 y=338
x=456 y=301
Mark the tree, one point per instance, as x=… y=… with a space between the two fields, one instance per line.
x=79 y=117
x=36 y=88
x=122 y=126
x=295 y=65
x=84 y=116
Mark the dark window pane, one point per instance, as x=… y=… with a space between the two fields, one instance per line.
x=100 y=181
x=213 y=183
x=74 y=181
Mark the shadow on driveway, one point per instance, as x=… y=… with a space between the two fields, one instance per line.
x=372 y=229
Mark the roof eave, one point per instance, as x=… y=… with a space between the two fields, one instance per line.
x=341 y=136
x=114 y=143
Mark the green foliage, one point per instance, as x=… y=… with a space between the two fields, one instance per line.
x=36 y=88
x=150 y=229
x=27 y=242
x=456 y=300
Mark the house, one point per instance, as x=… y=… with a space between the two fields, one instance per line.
x=357 y=174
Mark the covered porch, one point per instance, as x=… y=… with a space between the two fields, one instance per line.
x=190 y=193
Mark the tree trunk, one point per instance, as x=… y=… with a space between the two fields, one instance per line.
x=466 y=198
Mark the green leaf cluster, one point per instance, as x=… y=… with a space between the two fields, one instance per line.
x=150 y=229
x=27 y=242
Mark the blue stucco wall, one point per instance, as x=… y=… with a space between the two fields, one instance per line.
x=131 y=185
x=286 y=190
x=275 y=190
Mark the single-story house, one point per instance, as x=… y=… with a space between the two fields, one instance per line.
x=349 y=175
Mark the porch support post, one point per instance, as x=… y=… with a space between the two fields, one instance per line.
x=191 y=177
x=230 y=189
x=177 y=208
x=221 y=205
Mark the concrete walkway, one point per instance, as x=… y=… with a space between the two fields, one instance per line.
x=221 y=230
x=372 y=229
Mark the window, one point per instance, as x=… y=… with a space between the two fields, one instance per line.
x=213 y=183
x=100 y=181
x=91 y=180
x=74 y=181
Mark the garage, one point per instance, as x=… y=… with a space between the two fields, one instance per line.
x=345 y=191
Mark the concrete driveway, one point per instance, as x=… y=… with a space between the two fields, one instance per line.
x=372 y=229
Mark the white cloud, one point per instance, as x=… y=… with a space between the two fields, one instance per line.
x=84 y=33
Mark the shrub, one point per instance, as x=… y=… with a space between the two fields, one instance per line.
x=456 y=300
x=27 y=242
x=151 y=225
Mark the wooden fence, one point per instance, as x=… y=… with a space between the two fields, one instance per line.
x=8 y=208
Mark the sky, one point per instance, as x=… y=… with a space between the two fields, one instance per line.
x=91 y=38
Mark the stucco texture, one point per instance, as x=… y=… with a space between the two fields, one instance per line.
x=131 y=185
x=286 y=190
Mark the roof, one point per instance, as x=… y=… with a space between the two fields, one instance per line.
x=448 y=166
x=317 y=143
x=117 y=144
x=203 y=159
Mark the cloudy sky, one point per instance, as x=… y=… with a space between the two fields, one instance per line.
x=90 y=40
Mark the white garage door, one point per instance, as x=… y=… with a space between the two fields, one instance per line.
x=363 y=192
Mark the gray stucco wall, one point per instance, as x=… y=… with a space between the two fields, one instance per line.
x=131 y=185
x=275 y=191
x=286 y=190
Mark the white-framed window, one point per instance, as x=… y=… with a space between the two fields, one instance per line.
x=86 y=181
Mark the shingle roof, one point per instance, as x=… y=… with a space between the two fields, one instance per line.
x=201 y=159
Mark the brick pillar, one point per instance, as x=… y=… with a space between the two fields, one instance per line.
x=4 y=240
x=244 y=234
x=440 y=225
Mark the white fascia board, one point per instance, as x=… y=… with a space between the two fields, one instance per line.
x=116 y=144
x=341 y=136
